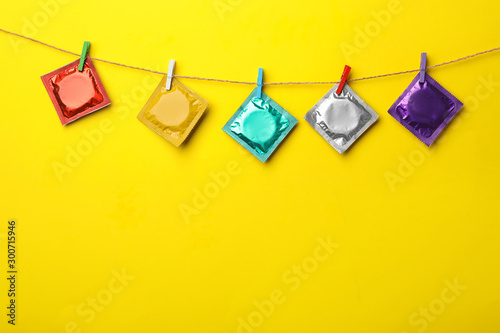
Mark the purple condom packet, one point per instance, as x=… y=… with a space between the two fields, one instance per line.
x=425 y=108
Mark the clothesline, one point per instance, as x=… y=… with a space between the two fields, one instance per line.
x=253 y=83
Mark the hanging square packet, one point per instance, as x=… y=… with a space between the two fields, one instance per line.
x=173 y=113
x=425 y=108
x=75 y=93
x=260 y=124
x=341 y=118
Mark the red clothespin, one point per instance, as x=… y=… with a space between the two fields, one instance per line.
x=343 y=79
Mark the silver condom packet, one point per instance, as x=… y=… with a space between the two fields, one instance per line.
x=341 y=119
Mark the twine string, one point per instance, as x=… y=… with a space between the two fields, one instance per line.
x=249 y=82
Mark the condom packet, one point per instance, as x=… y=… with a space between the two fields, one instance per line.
x=173 y=113
x=74 y=93
x=341 y=119
x=425 y=108
x=259 y=125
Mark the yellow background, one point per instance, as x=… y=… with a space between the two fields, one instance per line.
x=119 y=209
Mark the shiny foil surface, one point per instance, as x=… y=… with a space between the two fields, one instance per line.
x=74 y=93
x=341 y=119
x=173 y=113
x=425 y=109
x=260 y=125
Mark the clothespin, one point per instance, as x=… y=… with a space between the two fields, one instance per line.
x=423 y=66
x=85 y=52
x=343 y=79
x=260 y=81
x=170 y=74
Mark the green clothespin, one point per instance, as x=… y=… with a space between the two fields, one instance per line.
x=85 y=52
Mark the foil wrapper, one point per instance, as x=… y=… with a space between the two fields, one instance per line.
x=173 y=113
x=260 y=125
x=341 y=119
x=74 y=93
x=425 y=108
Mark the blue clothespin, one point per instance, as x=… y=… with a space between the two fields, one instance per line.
x=170 y=74
x=260 y=81
x=85 y=52
x=423 y=66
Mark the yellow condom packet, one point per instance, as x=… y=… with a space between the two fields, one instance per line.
x=173 y=113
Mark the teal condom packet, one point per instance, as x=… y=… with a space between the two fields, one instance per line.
x=259 y=125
